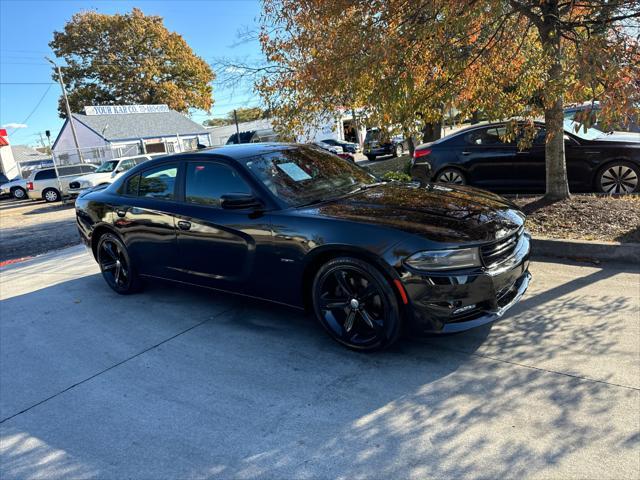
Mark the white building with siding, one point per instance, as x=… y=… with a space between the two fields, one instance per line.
x=112 y=135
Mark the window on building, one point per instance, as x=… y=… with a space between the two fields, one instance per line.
x=155 y=147
x=158 y=182
x=190 y=144
x=208 y=181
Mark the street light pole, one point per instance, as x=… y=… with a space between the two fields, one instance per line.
x=68 y=109
x=235 y=117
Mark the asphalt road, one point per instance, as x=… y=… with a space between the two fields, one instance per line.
x=182 y=383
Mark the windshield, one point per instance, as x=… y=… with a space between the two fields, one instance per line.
x=304 y=175
x=107 y=167
x=580 y=131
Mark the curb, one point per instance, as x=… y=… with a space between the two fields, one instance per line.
x=580 y=249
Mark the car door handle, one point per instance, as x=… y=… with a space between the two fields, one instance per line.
x=184 y=225
x=466 y=153
x=121 y=212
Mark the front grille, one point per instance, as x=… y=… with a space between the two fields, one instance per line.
x=74 y=185
x=497 y=252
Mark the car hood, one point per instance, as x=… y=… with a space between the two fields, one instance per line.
x=439 y=213
x=625 y=137
x=94 y=178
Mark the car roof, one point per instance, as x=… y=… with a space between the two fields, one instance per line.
x=242 y=150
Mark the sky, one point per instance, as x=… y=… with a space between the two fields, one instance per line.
x=28 y=95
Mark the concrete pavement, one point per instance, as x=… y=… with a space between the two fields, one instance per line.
x=180 y=383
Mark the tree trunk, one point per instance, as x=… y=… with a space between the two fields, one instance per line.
x=557 y=184
x=431 y=132
x=410 y=144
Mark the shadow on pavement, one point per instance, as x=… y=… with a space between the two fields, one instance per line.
x=209 y=385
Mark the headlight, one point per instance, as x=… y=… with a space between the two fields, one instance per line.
x=445 y=259
x=85 y=184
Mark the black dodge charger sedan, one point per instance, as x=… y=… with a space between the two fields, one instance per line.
x=596 y=161
x=296 y=225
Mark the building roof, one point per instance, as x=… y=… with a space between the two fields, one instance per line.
x=24 y=153
x=140 y=125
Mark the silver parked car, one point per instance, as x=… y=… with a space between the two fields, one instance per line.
x=44 y=183
x=106 y=173
x=17 y=188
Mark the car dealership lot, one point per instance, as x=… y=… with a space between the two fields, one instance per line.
x=179 y=383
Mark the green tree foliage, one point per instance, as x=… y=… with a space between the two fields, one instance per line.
x=129 y=59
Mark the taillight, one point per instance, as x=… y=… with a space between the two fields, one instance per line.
x=421 y=153
x=29 y=185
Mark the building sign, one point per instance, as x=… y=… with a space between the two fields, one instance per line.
x=124 y=109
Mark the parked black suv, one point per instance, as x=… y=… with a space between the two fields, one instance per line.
x=376 y=144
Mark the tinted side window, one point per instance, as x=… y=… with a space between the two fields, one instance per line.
x=158 y=182
x=87 y=168
x=487 y=136
x=66 y=171
x=207 y=182
x=131 y=187
x=45 y=175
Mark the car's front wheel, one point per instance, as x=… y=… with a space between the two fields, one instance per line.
x=451 y=175
x=356 y=305
x=371 y=158
x=18 y=193
x=51 y=195
x=619 y=177
x=115 y=265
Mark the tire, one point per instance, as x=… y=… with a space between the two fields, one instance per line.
x=451 y=175
x=371 y=158
x=18 y=193
x=618 y=178
x=51 y=195
x=398 y=150
x=356 y=305
x=116 y=266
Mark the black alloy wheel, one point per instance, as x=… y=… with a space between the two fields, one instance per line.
x=619 y=177
x=115 y=265
x=356 y=305
x=451 y=175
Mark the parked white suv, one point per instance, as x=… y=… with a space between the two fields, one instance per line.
x=106 y=173
x=44 y=184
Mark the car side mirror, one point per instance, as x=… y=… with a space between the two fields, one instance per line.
x=240 y=201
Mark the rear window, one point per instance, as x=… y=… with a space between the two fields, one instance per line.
x=45 y=175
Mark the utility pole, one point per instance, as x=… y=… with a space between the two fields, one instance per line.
x=68 y=109
x=235 y=118
x=55 y=166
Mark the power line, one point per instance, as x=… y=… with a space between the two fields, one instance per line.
x=34 y=108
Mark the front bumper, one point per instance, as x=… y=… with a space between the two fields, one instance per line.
x=457 y=301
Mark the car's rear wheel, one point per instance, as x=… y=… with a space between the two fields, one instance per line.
x=18 y=193
x=398 y=150
x=115 y=265
x=619 y=177
x=451 y=175
x=51 y=195
x=356 y=305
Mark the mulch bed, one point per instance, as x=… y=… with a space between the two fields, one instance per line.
x=584 y=217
